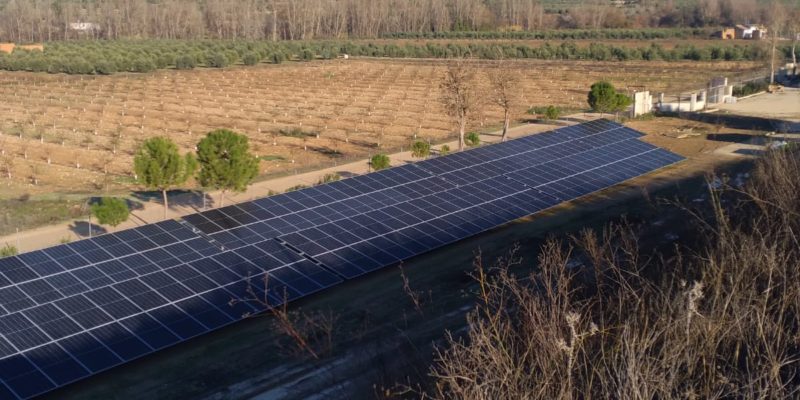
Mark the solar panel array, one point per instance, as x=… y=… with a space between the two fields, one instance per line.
x=71 y=311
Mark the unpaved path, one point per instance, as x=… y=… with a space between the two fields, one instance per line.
x=190 y=203
x=782 y=105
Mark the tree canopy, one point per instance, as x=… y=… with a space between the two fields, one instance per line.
x=158 y=165
x=111 y=211
x=603 y=97
x=225 y=162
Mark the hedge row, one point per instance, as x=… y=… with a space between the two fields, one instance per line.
x=562 y=34
x=108 y=57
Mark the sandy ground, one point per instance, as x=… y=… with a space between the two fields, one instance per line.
x=783 y=105
x=189 y=203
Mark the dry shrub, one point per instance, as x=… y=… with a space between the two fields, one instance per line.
x=717 y=321
x=301 y=333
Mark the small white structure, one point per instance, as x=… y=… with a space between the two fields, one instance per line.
x=642 y=103
x=682 y=103
x=751 y=31
x=719 y=91
x=84 y=26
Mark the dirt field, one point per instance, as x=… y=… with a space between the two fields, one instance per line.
x=70 y=134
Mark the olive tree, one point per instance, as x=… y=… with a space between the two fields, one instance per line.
x=158 y=165
x=225 y=162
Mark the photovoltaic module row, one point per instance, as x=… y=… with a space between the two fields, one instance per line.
x=71 y=311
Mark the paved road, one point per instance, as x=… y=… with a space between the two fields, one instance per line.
x=781 y=105
x=189 y=203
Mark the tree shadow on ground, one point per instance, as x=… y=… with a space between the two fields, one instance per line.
x=750 y=152
x=326 y=151
x=346 y=174
x=82 y=229
x=177 y=198
x=133 y=205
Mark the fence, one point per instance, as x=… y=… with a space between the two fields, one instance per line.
x=719 y=90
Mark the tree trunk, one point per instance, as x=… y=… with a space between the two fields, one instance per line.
x=166 y=202
x=506 y=123
x=274 y=23
x=462 y=127
x=772 y=59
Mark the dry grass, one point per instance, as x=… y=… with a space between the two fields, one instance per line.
x=602 y=319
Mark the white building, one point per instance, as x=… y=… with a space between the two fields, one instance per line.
x=751 y=32
x=84 y=26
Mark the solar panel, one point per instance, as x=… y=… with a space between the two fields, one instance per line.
x=71 y=311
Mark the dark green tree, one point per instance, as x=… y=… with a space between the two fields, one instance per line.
x=111 y=211
x=379 y=162
x=158 y=165
x=218 y=60
x=251 y=58
x=277 y=57
x=185 y=62
x=603 y=97
x=225 y=162
x=104 y=67
x=143 y=64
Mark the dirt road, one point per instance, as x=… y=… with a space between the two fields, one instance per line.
x=782 y=105
x=191 y=203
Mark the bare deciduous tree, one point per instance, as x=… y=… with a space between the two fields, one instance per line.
x=459 y=96
x=46 y=20
x=503 y=80
x=777 y=21
x=311 y=333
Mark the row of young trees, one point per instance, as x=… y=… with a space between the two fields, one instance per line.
x=563 y=34
x=145 y=56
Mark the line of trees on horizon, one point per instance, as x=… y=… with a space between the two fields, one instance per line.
x=48 y=20
x=105 y=58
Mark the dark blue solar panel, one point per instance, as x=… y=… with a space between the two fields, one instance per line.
x=70 y=311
